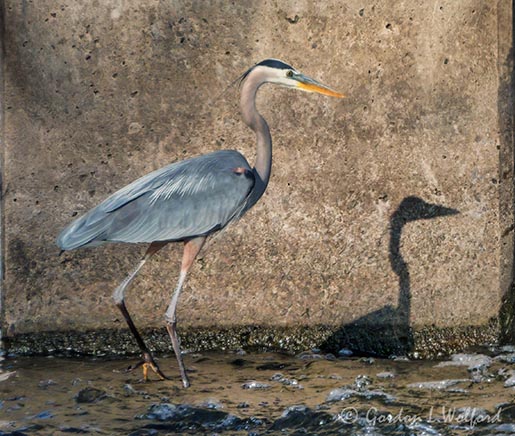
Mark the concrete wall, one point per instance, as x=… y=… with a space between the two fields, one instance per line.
x=349 y=234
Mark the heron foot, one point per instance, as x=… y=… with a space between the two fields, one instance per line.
x=172 y=331
x=185 y=381
x=147 y=362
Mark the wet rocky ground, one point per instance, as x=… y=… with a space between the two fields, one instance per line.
x=262 y=394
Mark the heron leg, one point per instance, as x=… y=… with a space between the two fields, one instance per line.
x=191 y=249
x=118 y=296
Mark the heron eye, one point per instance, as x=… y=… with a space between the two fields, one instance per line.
x=289 y=73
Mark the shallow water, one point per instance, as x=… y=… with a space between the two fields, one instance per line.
x=254 y=394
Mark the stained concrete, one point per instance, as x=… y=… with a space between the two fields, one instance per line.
x=348 y=236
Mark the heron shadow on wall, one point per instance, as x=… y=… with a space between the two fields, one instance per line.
x=387 y=331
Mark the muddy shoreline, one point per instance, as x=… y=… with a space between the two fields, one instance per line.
x=262 y=393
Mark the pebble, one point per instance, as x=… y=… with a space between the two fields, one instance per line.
x=307 y=355
x=211 y=403
x=504 y=429
x=335 y=377
x=480 y=375
x=129 y=390
x=423 y=429
x=507 y=358
x=362 y=382
x=341 y=394
x=510 y=381
x=43 y=384
x=310 y=355
x=385 y=374
x=508 y=348
x=345 y=352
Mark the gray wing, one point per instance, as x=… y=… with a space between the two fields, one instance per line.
x=185 y=199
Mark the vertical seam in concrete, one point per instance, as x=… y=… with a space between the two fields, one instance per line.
x=506 y=120
x=2 y=167
x=511 y=77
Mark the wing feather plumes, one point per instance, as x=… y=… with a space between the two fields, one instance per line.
x=182 y=200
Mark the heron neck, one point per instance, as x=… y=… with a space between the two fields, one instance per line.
x=257 y=123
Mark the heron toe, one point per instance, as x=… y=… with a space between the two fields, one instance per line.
x=147 y=362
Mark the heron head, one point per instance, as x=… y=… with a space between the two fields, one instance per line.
x=280 y=73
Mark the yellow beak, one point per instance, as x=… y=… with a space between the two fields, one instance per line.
x=311 y=85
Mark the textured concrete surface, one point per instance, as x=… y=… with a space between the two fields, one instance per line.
x=350 y=233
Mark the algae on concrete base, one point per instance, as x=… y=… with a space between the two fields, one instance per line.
x=427 y=343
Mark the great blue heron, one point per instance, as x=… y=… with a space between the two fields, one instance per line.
x=188 y=201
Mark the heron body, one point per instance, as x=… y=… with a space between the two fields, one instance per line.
x=184 y=200
x=189 y=200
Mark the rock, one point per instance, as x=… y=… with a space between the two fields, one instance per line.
x=129 y=390
x=274 y=366
x=510 y=381
x=45 y=414
x=161 y=412
x=469 y=414
x=238 y=362
x=278 y=377
x=144 y=432
x=302 y=419
x=6 y=375
x=183 y=417
x=399 y=358
x=471 y=361
x=341 y=394
x=504 y=429
x=255 y=385
x=90 y=395
x=436 y=385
